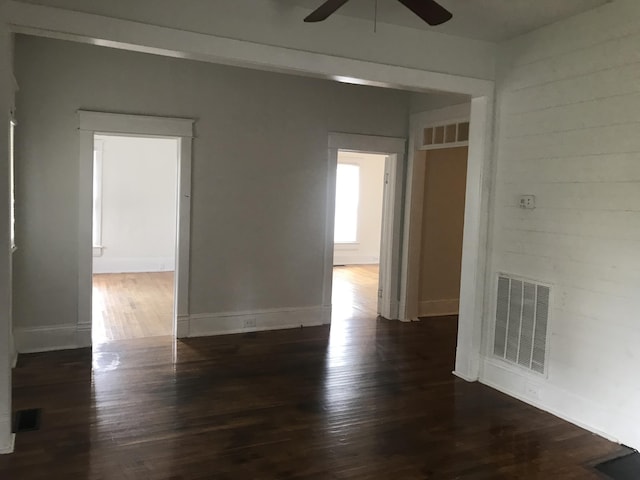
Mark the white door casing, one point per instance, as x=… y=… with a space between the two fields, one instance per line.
x=91 y=123
x=390 y=245
x=474 y=254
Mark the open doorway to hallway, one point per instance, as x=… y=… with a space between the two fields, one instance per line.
x=360 y=181
x=134 y=236
x=443 y=204
x=437 y=214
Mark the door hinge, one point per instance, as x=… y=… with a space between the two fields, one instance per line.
x=386 y=178
x=380 y=293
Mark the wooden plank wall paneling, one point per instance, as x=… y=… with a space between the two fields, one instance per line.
x=569 y=133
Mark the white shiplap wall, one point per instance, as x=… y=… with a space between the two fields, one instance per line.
x=569 y=133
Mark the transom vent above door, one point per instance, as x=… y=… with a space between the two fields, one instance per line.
x=445 y=135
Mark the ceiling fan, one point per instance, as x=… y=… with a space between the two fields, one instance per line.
x=428 y=10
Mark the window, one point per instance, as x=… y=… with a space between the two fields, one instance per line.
x=347 y=197
x=97 y=196
x=12 y=184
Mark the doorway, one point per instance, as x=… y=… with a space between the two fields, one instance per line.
x=360 y=182
x=134 y=236
x=440 y=178
x=177 y=134
x=349 y=152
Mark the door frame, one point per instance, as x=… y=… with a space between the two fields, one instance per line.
x=391 y=239
x=476 y=221
x=91 y=123
x=414 y=201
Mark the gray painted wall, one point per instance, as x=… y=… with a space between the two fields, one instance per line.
x=259 y=172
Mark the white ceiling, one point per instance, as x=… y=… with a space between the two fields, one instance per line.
x=491 y=20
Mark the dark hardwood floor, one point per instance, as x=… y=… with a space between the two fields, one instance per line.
x=364 y=399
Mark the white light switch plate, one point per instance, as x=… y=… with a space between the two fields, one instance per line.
x=527 y=201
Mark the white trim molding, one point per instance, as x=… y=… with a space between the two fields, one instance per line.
x=474 y=244
x=437 y=308
x=460 y=113
x=98 y=156
x=346 y=258
x=474 y=255
x=111 y=32
x=535 y=390
x=91 y=123
x=136 y=125
x=5 y=425
x=225 y=323
x=367 y=143
x=133 y=264
x=45 y=339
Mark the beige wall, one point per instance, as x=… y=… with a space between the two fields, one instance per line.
x=259 y=170
x=442 y=230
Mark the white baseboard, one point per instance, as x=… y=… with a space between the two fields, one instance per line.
x=326 y=314
x=257 y=320
x=182 y=328
x=603 y=420
x=65 y=337
x=394 y=308
x=464 y=377
x=105 y=264
x=439 y=308
x=44 y=339
x=83 y=335
x=8 y=445
x=14 y=351
x=347 y=259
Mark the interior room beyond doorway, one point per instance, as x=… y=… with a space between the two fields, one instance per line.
x=360 y=179
x=134 y=237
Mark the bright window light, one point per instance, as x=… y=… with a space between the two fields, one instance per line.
x=12 y=183
x=97 y=192
x=347 y=196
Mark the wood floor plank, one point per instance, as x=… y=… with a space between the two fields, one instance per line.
x=364 y=399
x=132 y=305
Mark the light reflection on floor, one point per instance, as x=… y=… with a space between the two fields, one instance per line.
x=132 y=305
x=98 y=328
x=354 y=292
x=354 y=297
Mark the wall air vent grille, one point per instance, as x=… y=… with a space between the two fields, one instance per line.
x=522 y=316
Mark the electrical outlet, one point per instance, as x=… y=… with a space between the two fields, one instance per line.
x=527 y=201
x=249 y=323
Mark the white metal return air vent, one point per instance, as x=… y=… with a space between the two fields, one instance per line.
x=522 y=317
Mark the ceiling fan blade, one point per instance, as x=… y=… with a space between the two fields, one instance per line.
x=431 y=12
x=325 y=10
